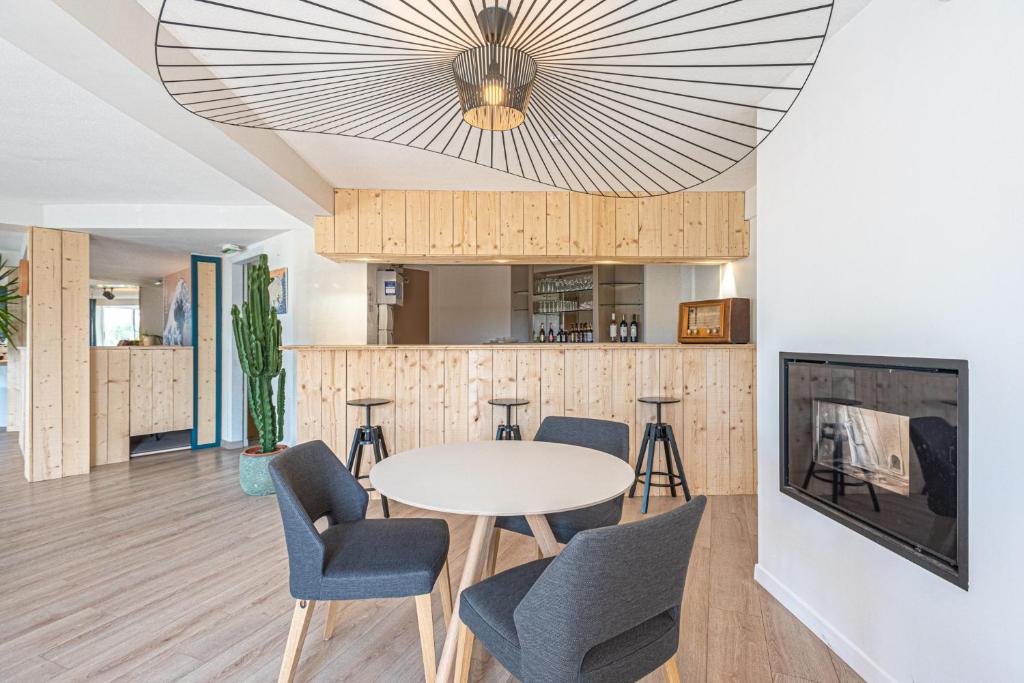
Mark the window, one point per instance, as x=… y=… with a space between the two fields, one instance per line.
x=114 y=323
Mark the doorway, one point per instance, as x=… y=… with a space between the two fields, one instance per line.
x=412 y=318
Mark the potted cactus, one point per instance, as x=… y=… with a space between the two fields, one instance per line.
x=258 y=340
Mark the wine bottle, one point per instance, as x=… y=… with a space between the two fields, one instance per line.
x=634 y=330
x=551 y=332
x=613 y=330
x=623 y=330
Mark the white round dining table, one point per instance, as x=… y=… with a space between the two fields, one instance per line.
x=490 y=479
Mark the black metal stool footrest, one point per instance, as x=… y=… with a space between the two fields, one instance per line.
x=676 y=480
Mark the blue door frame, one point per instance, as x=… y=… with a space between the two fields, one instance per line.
x=195 y=349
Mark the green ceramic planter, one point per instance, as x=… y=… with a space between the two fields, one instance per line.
x=254 y=471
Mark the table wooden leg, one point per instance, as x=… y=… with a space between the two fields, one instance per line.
x=475 y=557
x=542 y=533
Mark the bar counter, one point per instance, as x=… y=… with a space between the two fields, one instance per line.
x=439 y=394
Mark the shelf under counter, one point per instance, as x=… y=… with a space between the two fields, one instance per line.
x=440 y=393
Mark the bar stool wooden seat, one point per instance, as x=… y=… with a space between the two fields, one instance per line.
x=659 y=432
x=508 y=431
x=368 y=434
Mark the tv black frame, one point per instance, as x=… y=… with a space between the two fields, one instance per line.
x=957 y=576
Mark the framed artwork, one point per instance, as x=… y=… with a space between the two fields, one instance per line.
x=279 y=290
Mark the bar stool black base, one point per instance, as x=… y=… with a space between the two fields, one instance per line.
x=368 y=435
x=508 y=431
x=659 y=432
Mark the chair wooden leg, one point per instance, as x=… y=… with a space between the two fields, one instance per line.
x=444 y=587
x=671 y=670
x=425 y=619
x=464 y=655
x=332 y=618
x=296 y=636
x=492 y=555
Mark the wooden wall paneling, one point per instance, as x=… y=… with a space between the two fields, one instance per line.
x=346 y=221
x=693 y=438
x=442 y=237
x=323 y=234
x=141 y=393
x=358 y=384
x=739 y=229
x=163 y=389
x=181 y=399
x=44 y=390
x=627 y=226
x=624 y=394
x=432 y=375
x=464 y=223
x=488 y=230
x=552 y=383
x=371 y=222
x=695 y=237
x=577 y=380
x=558 y=229
x=647 y=384
x=528 y=387
x=206 y=352
x=510 y=223
x=581 y=224
x=718 y=224
x=672 y=224
x=456 y=396
x=382 y=384
x=649 y=230
x=74 y=335
x=604 y=225
x=480 y=386
x=535 y=223
x=718 y=421
x=504 y=372
x=332 y=422
x=670 y=383
x=407 y=400
x=393 y=221
x=118 y=404
x=601 y=387
x=98 y=406
x=741 y=421
x=417 y=222
x=308 y=378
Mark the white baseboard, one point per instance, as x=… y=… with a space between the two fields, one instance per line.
x=858 y=660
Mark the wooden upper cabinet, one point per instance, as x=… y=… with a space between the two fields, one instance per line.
x=441 y=226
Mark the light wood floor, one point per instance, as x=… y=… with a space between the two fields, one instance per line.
x=161 y=569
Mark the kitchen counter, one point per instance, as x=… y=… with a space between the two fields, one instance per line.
x=440 y=394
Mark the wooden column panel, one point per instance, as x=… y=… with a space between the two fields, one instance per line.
x=323 y=234
x=480 y=385
x=346 y=221
x=441 y=223
x=695 y=237
x=604 y=226
x=718 y=224
x=371 y=216
x=393 y=221
x=417 y=222
x=119 y=404
x=141 y=396
x=464 y=223
x=558 y=224
x=511 y=238
x=535 y=223
x=74 y=335
x=649 y=232
x=488 y=228
x=627 y=226
x=181 y=401
x=98 y=407
x=45 y=373
x=581 y=224
x=672 y=224
x=739 y=228
x=163 y=390
x=207 y=398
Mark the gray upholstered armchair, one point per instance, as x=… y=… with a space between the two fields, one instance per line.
x=606 y=609
x=353 y=558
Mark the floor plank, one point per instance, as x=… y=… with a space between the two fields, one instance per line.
x=162 y=569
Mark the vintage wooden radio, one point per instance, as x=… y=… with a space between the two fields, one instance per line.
x=724 y=321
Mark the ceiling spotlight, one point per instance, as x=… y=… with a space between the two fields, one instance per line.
x=230 y=248
x=108 y=294
x=158 y=283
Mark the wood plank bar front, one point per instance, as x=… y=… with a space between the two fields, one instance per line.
x=440 y=395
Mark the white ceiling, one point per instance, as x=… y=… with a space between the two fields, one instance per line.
x=63 y=145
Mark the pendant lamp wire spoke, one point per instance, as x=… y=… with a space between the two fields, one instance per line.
x=618 y=98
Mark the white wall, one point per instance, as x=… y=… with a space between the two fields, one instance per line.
x=326 y=305
x=890 y=223
x=151 y=309
x=470 y=304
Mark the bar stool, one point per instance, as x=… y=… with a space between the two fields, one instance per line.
x=656 y=432
x=367 y=435
x=508 y=431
